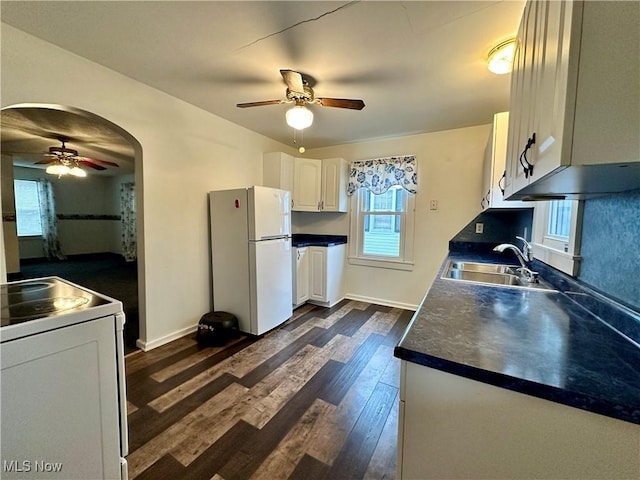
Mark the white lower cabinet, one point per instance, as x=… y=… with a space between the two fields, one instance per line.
x=319 y=275
x=300 y=275
x=457 y=428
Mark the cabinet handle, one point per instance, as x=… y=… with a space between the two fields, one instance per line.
x=503 y=177
x=482 y=204
x=528 y=168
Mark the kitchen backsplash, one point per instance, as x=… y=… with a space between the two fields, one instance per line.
x=611 y=246
x=499 y=226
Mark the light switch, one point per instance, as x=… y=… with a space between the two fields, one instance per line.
x=433 y=205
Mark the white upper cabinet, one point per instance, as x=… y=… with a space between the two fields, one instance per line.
x=334 y=185
x=307 y=185
x=278 y=171
x=315 y=185
x=494 y=175
x=320 y=185
x=574 y=127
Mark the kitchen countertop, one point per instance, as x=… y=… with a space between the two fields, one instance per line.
x=314 y=240
x=541 y=343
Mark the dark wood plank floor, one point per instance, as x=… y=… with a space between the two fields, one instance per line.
x=314 y=399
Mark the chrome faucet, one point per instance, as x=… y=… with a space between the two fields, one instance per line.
x=527 y=249
x=524 y=258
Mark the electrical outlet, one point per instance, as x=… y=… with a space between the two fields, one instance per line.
x=433 y=205
x=479 y=227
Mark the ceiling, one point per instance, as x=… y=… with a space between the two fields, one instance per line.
x=418 y=66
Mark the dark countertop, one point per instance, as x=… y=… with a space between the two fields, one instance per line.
x=314 y=240
x=541 y=343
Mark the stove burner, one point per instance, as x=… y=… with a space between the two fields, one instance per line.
x=26 y=287
x=41 y=307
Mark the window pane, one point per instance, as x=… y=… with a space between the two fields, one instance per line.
x=559 y=218
x=382 y=235
x=27 y=208
x=390 y=201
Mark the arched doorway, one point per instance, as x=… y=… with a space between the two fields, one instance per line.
x=90 y=213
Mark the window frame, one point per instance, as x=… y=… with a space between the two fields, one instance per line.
x=404 y=261
x=560 y=253
x=17 y=209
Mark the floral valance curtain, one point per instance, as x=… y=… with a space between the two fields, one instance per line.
x=128 y=221
x=49 y=221
x=380 y=174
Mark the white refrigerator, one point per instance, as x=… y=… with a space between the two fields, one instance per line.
x=251 y=256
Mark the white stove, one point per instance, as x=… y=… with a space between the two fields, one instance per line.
x=63 y=382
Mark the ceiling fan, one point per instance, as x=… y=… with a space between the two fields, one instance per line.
x=66 y=161
x=301 y=94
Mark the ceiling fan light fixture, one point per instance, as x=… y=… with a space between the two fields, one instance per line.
x=500 y=59
x=299 y=117
x=58 y=169
x=77 y=172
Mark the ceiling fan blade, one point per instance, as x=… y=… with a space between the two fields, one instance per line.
x=45 y=161
x=103 y=162
x=341 y=103
x=87 y=163
x=259 y=104
x=293 y=81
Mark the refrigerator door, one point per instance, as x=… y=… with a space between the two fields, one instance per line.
x=271 y=284
x=269 y=213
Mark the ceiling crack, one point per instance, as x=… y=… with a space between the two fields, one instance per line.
x=346 y=5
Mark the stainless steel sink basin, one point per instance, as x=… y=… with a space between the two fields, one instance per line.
x=490 y=274
x=483 y=267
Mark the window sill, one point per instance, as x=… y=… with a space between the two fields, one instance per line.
x=563 y=261
x=378 y=263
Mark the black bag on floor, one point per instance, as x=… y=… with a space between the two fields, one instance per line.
x=216 y=328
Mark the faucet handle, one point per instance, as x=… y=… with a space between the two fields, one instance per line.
x=527 y=249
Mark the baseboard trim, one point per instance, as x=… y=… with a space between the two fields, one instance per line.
x=158 y=342
x=380 y=301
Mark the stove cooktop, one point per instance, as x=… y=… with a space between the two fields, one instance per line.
x=46 y=297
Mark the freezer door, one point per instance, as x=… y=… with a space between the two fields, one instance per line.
x=269 y=213
x=271 y=284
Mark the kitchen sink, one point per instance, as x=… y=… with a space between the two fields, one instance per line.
x=491 y=274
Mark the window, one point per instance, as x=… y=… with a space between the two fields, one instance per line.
x=559 y=219
x=382 y=228
x=556 y=234
x=27 y=208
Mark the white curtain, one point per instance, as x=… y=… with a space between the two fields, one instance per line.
x=380 y=174
x=128 y=220
x=49 y=221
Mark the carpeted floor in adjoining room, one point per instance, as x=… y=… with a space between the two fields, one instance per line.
x=105 y=273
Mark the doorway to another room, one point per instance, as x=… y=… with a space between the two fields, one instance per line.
x=69 y=202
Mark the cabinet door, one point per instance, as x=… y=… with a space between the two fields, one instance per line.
x=555 y=105
x=302 y=275
x=278 y=171
x=522 y=101
x=334 y=185
x=307 y=185
x=487 y=173
x=318 y=274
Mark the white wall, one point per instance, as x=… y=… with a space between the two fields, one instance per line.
x=93 y=195
x=450 y=171
x=9 y=232
x=185 y=153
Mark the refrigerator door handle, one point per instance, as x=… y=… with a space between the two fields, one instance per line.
x=273 y=237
